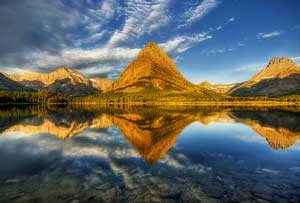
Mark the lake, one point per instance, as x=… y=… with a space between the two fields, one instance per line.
x=147 y=154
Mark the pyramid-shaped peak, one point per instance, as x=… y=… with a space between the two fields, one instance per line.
x=152 y=50
x=152 y=45
x=152 y=68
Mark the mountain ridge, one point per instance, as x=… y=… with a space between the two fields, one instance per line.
x=63 y=80
x=219 y=88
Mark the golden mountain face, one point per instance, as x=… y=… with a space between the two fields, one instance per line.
x=101 y=83
x=152 y=69
x=153 y=133
x=280 y=77
x=277 y=68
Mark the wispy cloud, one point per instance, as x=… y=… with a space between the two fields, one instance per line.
x=241 y=44
x=94 y=38
x=219 y=27
x=269 y=34
x=141 y=17
x=180 y=44
x=197 y=12
x=250 y=67
x=296 y=27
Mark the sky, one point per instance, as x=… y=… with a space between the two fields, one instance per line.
x=221 y=41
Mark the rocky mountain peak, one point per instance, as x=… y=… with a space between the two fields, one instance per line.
x=154 y=53
x=281 y=60
x=64 y=70
x=280 y=77
x=278 y=67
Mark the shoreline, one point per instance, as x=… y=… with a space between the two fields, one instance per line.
x=197 y=103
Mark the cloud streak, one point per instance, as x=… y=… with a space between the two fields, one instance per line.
x=142 y=17
x=197 y=12
x=269 y=34
x=180 y=44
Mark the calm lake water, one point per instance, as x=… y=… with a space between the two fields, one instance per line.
x=58 y=154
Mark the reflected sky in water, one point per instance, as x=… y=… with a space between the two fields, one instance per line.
x=199 y=155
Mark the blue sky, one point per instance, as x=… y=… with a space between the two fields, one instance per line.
x=217 y=40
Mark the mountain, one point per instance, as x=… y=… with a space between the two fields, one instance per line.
x=64 y=81
x=219 y=88
x=101 y=83
x=152 y=69
x=11 y=85
x=280 y=77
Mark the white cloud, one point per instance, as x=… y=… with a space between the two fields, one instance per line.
x=241 y=44
x=269 y=35
x=231 y=19
x=102 y=55
x=180 y=44
x=197 y=13
x=219 y=27
x=296 y=59
x=96 y=16
x=94 y=38
x=89 y=62
x=141 y=17
x=95 y=70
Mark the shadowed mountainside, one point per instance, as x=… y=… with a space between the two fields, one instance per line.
x=8 y=84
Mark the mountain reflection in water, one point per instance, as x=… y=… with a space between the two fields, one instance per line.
x=153 y=131
x=91 y=132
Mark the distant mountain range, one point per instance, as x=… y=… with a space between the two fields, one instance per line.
x=281 y=77
x=64 y=81
x=220 y=88
x=154 y=70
